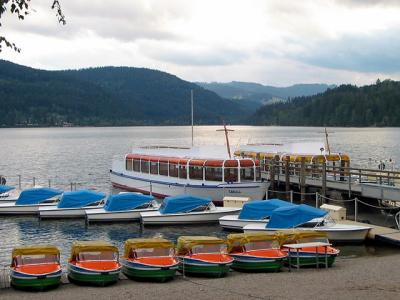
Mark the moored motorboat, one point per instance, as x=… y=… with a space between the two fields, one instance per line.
x=256 y=211
x=30 y=200
x=122 y=207
x=299 y=216
x=35 y=267
x=255 y=252
x=203 y=255
x=186 y=209
x=73 y=205
x=8 y=193
x=149 y=259
x=93 y=262
x=311 y=253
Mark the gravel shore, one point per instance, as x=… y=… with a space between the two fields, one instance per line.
x=356 y=278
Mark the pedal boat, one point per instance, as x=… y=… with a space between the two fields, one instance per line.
x=203 y=256
x=93 y=263
x=255 y=211
x=149 y=259
x=122 y=207
x=186 y=209
x=256 y=252
x=73 y=205
x=35 y=267
x=308 y=255
x=30 y=200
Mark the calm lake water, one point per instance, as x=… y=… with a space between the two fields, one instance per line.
x=84 y=155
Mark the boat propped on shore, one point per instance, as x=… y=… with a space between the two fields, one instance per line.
x=186 y=209
x=122 y=207
x=73 y=205
x=30 y=200
x=35 y=267
x=149 y=259
x=205 y=172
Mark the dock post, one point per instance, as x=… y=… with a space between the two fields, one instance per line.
x=355 y=209
x=34 y=181
x=324 y=179
x=302 y=180
x=49 y=183
x=71 y=186
x=316 y=200
x=287 y=179
x=291 y=196
x=19 y=182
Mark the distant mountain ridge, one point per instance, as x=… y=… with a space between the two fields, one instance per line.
x=107 y=96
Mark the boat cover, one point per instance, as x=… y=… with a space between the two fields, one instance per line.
x=132 y=244
x=185 y=243
x=35 y=249
x=126 y=201
x=80 y=198
x=260 y=209
x=91 y=246
x=182 y=204
x=5 y=188
x=292 y=216
x=36 y=195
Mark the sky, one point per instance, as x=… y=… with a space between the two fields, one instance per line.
x=280 y=42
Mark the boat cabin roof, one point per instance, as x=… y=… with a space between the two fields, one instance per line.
x=241 y=239
x=91 y=246
x=35 y=249
x=186 y=243
x=141 y=243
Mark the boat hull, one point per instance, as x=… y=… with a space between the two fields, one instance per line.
x=145 y=272
x=92 y=277
x=63 y=213
x=100 y=215
x=37 y=282
x=163 y=186
x=257 y=264
x=234 y=223
x=155 y=218
x=190 y=266
x=12 y=209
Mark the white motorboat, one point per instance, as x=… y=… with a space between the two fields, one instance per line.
x=30 y=200
x=297 y=216
x=186 y=209
x=256 y=211
x=122 y=207
x=73 y=205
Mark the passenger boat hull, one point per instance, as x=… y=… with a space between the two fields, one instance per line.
x=35 y=281
x=232 y=222
x=156 y=218
x=135 y=270
x=92 y=277
x=52 y=212
x=161 y=187
x=198 y=267
x=100 y=215
x=255 y=263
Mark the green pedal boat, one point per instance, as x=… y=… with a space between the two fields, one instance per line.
x=149 y=259
x=94 y=262
x=35 y=267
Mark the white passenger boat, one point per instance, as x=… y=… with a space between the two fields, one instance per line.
x=30 y=200
x=257 y=211
x=122 y=207
x=186 y=209
x=297 y=216
x=203 y=172
x=73 y=205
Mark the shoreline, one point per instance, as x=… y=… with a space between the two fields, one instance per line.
x=354 y=278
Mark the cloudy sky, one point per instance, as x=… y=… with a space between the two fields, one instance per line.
x=278 y=42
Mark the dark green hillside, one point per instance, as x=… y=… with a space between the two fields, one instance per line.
x=346 y=105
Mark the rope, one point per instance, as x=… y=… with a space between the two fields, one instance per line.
x=378 y=207
x=337 y=200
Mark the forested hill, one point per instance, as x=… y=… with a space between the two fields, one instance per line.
x=346 y=105
x=106 y=96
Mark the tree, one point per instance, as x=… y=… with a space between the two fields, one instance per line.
x=21 y=8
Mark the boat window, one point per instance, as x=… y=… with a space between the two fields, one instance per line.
x=199 y=208
x=128 y=165
x=213 y=174
x=182 y=171
x=164 y=169
x=196 y=172
x=144 y=166
x=93 y=255
x=37 y=259
x=214 y=248
x=154 y=167
x=258 y=173
x=173 y=170
x=247 y=174
x=136 y=165
x=150 y=252
x=257 y=245
x=231 y=175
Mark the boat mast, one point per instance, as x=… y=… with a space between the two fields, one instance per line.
x=191 y=98
x=227 y=138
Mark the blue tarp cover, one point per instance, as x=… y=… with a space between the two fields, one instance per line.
x=182 y=204
x=80 y=198
x=126 y=201
x=292 y=216
x=5 y=188
x=260 y=209
x=36 y=195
